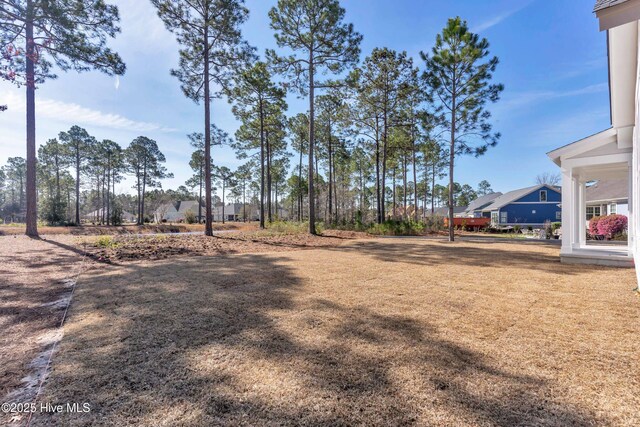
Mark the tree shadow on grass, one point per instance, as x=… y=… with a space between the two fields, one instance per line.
x=433 y=252
x=236 y=340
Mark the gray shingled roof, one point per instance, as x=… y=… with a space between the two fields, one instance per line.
x=610 y=190
x=444 y=210
x=603 y=4
x=512 y=196
x=482 y=201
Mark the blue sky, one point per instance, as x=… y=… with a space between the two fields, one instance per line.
x=553 y=63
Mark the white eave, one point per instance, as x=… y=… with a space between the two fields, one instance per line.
x=583 y=145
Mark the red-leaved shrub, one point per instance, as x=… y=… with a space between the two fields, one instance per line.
x=593 y=225
x=611 y=225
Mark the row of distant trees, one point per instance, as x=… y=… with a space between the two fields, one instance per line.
x=383 y=111
x=77 y=161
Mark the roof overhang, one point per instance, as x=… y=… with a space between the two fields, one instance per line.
x=618 y=14
x=583 y=145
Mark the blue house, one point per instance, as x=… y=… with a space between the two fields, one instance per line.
x=527 y=207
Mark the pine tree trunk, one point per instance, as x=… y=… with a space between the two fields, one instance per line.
x=330 y=174
x=77 y=183
x=269 y=207
x=208 y=226
x=312 y=208
x=451 y=158
x=262 y=148
x=384 y=167
x=200 y=197
x=378 y=204
x=300 y=186
x=32 y=213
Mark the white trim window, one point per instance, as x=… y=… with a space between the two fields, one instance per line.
x=613 y=208
x=504 y=217
x=494 y=217
x=543 y=195
x=593 y=211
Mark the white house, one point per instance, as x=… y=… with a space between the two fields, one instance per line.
x=607 y=197
x=611 y=154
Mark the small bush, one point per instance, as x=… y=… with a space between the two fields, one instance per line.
x=116 y=215
x=398 y=228
x=517 y=228
x=105 y=242
x=190 y=217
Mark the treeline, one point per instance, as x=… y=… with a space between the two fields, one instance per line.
x=77 y=174
x=372 y=145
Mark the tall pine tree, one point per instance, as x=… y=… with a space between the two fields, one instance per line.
x=212 y=49
x=458 y=72
x=70 y=34
x=319 y=39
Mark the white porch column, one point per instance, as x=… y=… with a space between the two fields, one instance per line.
x=582 y=213
x=567 y=211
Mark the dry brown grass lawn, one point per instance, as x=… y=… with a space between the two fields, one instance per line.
x=372 y=332
x=34 y=276
x=90 y=230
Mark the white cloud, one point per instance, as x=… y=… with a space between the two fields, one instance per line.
x=524 y=99
x=492 y=22
x=70 y=113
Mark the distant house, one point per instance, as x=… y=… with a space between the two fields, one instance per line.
x=530 y=206
x=176 y=211
x=474 y=210
x=606 y=197
x=443 y=211
x=97 y=215
x=191 y=206
x=232 y=212
x=237 y=212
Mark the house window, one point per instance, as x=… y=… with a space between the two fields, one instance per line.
x=613 y=208
x=494 y=217
x=559 y=215
x=503 y=217
x=593 y=211
x=543 y=195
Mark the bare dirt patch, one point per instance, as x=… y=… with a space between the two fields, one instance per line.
x=370 y=332
x=126 y=248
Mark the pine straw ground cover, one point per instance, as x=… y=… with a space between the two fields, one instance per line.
x=371 y=332
x=126 y=248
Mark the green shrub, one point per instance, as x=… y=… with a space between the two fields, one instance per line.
x=105 y=242
x=116 y=215
x=190 y=217
x=398 y=228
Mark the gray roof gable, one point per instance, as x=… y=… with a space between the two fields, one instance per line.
x=482 y=201
x=609 y=190
x=603 y=4
x=514 y=195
